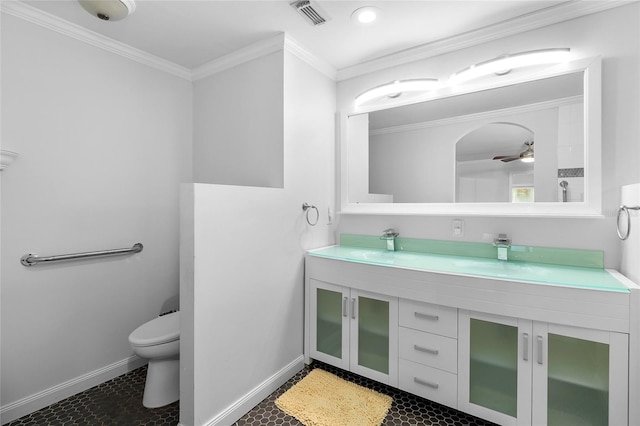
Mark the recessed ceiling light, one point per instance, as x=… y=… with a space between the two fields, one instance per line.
x=365 y=15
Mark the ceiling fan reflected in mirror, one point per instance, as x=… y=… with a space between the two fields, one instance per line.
x=525 y=156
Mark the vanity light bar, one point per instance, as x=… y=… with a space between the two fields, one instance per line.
x=397 y=88
x=504 y=64
x=500 y=65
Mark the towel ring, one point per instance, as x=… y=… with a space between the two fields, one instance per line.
x=306 y=207
x=626 y=210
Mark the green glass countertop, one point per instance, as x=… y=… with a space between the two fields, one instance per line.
x=571 y=276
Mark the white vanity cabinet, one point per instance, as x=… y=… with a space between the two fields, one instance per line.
x=354 y=330
x=509 y=351
x=521 y=372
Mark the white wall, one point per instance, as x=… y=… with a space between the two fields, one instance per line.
x=242 y=255
x=238 y=128
x=613 y=34
x=104 y=143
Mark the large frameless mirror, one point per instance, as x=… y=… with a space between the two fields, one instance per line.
x=529 y=146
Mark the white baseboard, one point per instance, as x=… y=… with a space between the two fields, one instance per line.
x=39 y=400
x=239 y=408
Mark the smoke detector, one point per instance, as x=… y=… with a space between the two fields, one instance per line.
x=309 y=11
x=109 y=10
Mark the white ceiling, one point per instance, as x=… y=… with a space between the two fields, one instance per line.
x=192 y=33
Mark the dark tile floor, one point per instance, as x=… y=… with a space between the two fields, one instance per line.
x=406 y=409
x=118 y=402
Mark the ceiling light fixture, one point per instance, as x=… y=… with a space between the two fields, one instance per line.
x=397 y=88
x=504 y=64
x=365 y=15
x=527 y=155
x=109 y=10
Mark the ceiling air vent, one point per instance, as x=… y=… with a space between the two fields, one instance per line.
x=309 y=11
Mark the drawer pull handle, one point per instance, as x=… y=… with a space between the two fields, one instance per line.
x=426 y=316
x=426 y=350
x=426 y=383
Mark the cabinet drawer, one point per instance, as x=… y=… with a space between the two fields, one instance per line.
x=427 y=382
x=429 y=349
x=430 y=318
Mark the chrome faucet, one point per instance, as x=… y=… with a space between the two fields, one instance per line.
x=503 y=243
x=390 y=235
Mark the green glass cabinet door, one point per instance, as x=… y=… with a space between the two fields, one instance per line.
x=494 y=368
x=580 y=376
x=329 y=322
x=374 y=336
x=329 y=329
x=577 y=381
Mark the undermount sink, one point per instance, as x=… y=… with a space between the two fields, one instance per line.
x=582 y=277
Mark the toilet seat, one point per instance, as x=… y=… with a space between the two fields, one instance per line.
x=163 y=329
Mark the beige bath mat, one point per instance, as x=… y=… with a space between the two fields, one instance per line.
x=322 y=399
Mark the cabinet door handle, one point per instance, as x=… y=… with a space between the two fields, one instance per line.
x=353 y=308
x=344 y=306
x=427 y=350
x=426 y=383
x=426 y=316
x=525 y=346
x=540 y=351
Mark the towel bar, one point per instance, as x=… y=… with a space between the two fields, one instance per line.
x=626 y=210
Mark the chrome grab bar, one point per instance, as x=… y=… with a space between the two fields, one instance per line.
x=34 y=259
x=626 y=210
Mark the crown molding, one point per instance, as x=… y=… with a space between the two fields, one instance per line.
x=279 y=42
x=548 y=16
x=51 y=22
x=248 y=53
x=303 y=54
x=531 y=21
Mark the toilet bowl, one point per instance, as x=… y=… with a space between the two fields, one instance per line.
x=158 y=340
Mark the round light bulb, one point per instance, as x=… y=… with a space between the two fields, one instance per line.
x=365 y=15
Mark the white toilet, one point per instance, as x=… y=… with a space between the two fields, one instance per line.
x=159 y=341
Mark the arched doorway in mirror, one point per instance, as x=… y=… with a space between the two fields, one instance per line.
x=495 y=163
